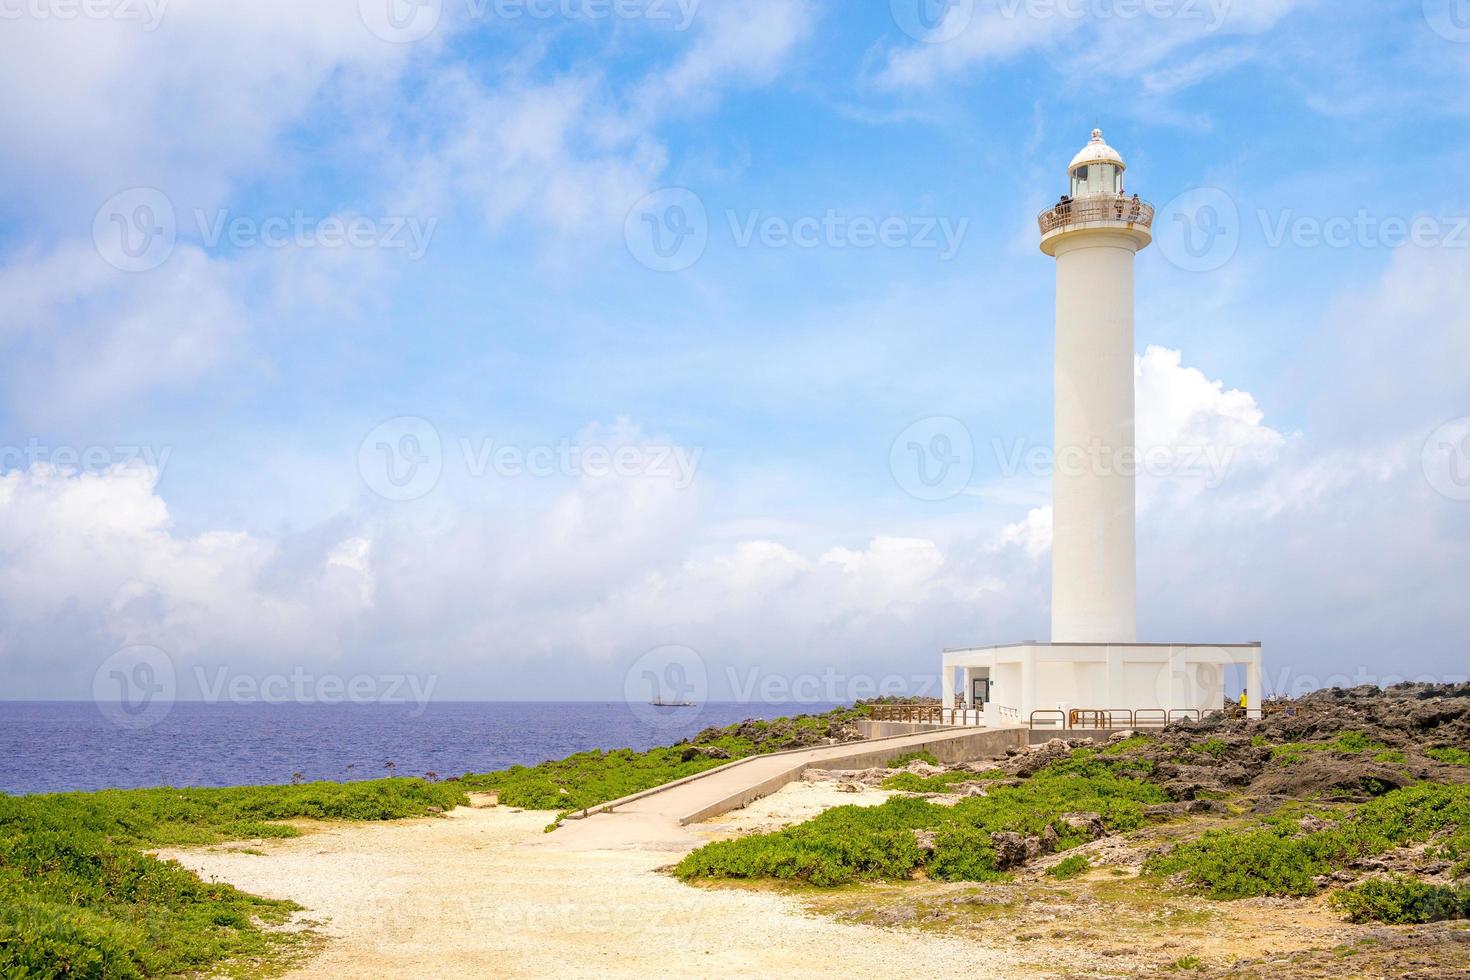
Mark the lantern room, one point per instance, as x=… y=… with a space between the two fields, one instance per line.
x=1097 y=170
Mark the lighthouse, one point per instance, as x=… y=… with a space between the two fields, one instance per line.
x=1093 y=234
x=1094 y=672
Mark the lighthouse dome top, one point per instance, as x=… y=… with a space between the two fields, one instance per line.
x=1097 y=151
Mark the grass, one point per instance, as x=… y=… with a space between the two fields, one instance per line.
x=590 y=778
x=78 y=898
x=1452 y=756
x=879 y=843
x=909 y=782
x=1276 y=859
x=923 y=755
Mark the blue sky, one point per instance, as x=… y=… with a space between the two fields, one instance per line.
x=522 y=151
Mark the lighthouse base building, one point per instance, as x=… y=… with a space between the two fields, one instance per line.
x=1094 y=670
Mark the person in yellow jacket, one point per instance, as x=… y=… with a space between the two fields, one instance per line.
x=1242 y=701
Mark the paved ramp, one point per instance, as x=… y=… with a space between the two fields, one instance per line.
x=656 y=818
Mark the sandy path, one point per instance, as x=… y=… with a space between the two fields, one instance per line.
x=484 y=892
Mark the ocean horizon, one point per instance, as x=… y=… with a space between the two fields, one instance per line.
x=68 y=746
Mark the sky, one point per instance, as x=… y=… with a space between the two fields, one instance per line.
x=524 y=349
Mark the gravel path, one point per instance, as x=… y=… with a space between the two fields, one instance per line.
x=484 y=892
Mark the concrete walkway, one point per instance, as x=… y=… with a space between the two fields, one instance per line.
x=657 y=819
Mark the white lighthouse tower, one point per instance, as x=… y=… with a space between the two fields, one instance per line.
x=1093 y=234
x=1094 y=671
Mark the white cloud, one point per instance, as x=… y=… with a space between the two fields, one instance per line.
x=1085 y=42
x=190 y=106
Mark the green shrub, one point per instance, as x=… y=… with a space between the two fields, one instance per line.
x=1402 y=900
x=1070 y=867
x=898 y=762
x=1453 y=756
x=1277 y=860
x=878 y=843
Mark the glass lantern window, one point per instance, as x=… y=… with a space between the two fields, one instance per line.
x=1096 y=178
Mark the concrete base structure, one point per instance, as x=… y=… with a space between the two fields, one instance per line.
x=1027 y=677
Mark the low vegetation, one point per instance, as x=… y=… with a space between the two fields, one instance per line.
x=1070 y=867
x=1280 y=858
x=907 y=836
x=589 y=778
x=79 y=898
x=1401 y=900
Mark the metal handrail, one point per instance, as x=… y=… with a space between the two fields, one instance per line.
x=1183 y=713
x=1101 y=207
x=1049 y=715
x=1150 y=718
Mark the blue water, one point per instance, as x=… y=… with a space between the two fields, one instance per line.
x=51 y=746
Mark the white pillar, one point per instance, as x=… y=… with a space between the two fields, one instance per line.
x=1253 y=686
x=1028 y=683
x=946 y=687
x=1094 y=578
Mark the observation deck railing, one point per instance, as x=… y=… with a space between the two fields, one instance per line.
x=1102 y=207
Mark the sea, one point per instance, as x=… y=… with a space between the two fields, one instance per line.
x=62 y=746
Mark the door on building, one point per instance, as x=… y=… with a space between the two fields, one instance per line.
x=979 y=691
